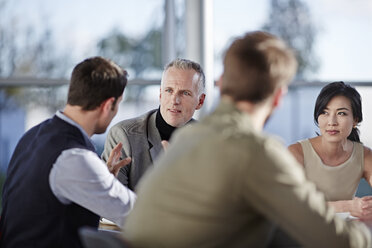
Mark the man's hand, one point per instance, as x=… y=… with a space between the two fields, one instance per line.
x=114 y=163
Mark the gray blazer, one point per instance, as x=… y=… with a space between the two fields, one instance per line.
x=141 y=141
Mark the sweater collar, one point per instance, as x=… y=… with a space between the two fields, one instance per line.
x=165 y=130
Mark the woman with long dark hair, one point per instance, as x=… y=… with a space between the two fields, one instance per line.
x=336 y=160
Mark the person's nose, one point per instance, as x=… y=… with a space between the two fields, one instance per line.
x=176 y=99
x=332 y=120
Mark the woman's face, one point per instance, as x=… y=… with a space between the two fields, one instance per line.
x=337 y=120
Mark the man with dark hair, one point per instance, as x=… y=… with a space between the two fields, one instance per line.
x=223 y=183
x=55 y=182
x=181 y=93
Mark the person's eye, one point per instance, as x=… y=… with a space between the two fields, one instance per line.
x=168 y=90
x=342 y=113
x=186 y=93
x=323 y=112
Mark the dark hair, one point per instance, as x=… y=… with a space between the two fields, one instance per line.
x=340 y=89
x=255 y=65
x=95 y=80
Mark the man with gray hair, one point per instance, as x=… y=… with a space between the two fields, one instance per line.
x=181 y=93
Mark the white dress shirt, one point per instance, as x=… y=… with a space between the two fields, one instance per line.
x=80 y=176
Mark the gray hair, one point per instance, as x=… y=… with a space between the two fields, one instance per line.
x=186 y=64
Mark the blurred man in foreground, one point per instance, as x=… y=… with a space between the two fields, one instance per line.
x=223 y=183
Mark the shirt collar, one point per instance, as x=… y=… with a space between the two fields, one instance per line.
x=62 y=116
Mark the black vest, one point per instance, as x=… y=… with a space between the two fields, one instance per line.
x=32 y=216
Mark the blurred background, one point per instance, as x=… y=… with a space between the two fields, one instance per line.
x=41 y=41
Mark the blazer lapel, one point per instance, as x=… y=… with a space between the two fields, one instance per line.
x=154 y=137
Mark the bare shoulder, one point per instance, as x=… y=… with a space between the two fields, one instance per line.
x=367 y=156
x=296 y=150
x=367 y=151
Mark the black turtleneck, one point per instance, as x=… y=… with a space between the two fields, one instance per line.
x=164 y=128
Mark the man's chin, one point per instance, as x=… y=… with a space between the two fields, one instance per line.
x=174 y=122
x=100 y=131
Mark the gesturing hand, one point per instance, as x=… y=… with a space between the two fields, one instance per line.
x=114 y=164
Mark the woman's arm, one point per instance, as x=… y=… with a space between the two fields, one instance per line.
x=359 y=207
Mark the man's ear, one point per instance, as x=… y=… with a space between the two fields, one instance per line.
x=201 y=101
x=279 y=95
x=108 y=104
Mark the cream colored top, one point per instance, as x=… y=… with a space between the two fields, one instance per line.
x=337 y=182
